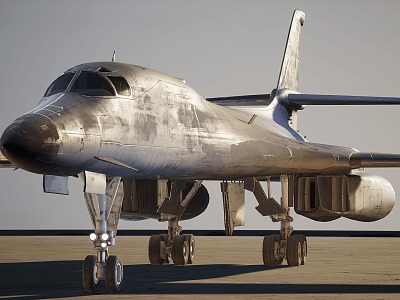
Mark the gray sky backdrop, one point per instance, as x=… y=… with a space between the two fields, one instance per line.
x=221 y=48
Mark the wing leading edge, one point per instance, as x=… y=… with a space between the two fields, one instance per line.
x=305 y=99
x=245 y=100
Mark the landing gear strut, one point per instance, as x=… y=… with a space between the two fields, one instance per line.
x=180 y=248
x=104 y=210
x=287 y=246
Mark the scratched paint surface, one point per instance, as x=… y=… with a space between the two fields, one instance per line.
x=167 y=130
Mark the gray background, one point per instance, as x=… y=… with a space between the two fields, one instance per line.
x=221 y=48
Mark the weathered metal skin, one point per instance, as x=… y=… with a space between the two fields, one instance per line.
x=167 y=130
x=74 y=144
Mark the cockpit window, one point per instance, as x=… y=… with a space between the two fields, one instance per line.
x=60 y=84
x=121 y=85
x=92 y=84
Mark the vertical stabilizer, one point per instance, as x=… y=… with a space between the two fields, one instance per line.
x=289 y=75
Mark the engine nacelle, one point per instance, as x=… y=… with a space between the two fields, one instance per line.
x=371 y=198
x=142 y=198
x=359 y=197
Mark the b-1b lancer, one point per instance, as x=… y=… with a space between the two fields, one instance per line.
x=142 y=142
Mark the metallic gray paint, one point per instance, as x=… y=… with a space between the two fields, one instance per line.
x=167 y=130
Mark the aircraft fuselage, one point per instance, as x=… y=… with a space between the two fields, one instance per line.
x=163 y=129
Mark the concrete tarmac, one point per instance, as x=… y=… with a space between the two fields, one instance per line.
x=225 y=267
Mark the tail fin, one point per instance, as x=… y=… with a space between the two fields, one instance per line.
x=289 y=75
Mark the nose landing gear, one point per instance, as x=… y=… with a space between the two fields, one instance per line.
x=104 y=210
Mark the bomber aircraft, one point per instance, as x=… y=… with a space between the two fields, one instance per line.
x=142 y=142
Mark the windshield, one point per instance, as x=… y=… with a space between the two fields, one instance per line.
x=121 y=85
x=92 y=84
x=60 y=84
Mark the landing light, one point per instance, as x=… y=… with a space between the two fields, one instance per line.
x=93 y=236
x=104 y=237
x=103 y=245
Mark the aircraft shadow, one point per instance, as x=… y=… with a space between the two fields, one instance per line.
x=57 y=279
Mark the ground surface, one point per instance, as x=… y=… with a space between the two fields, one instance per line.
x=225 y=267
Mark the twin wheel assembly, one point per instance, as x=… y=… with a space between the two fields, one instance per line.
x=275 y=249
x=179 y=248
x=114 y=274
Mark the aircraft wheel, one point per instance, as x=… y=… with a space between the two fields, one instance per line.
x=303 y=241
x=191 y=245
x=89 y=271
x=270 y=250
x=114 y=274
x=293 y=251
x=180 y=250
x=156 y=243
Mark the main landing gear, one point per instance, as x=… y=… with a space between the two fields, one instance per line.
x=273 y=250
x=171 y=246
x=104 y=210
x=276 y=247
x=285 y=245
x=180 y=248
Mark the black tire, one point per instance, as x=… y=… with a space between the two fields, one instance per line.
x=89 y=270
x=114 y=274
x=180 y=250
x=191 y=245
x=304 y=250
x=293 y=251
x=155 y=249
x=270 y=250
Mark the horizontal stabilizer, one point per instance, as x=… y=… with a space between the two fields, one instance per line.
x=246 y=100
x=313 y=99
x=374 y=160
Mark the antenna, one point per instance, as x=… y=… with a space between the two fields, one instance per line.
x=113 y=57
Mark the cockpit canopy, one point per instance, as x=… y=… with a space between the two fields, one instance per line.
x=90 y=83
x=60 y=84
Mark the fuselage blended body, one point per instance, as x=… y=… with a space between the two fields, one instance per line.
x=164 y=129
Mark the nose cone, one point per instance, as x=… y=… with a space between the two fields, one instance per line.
x=31 y=142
